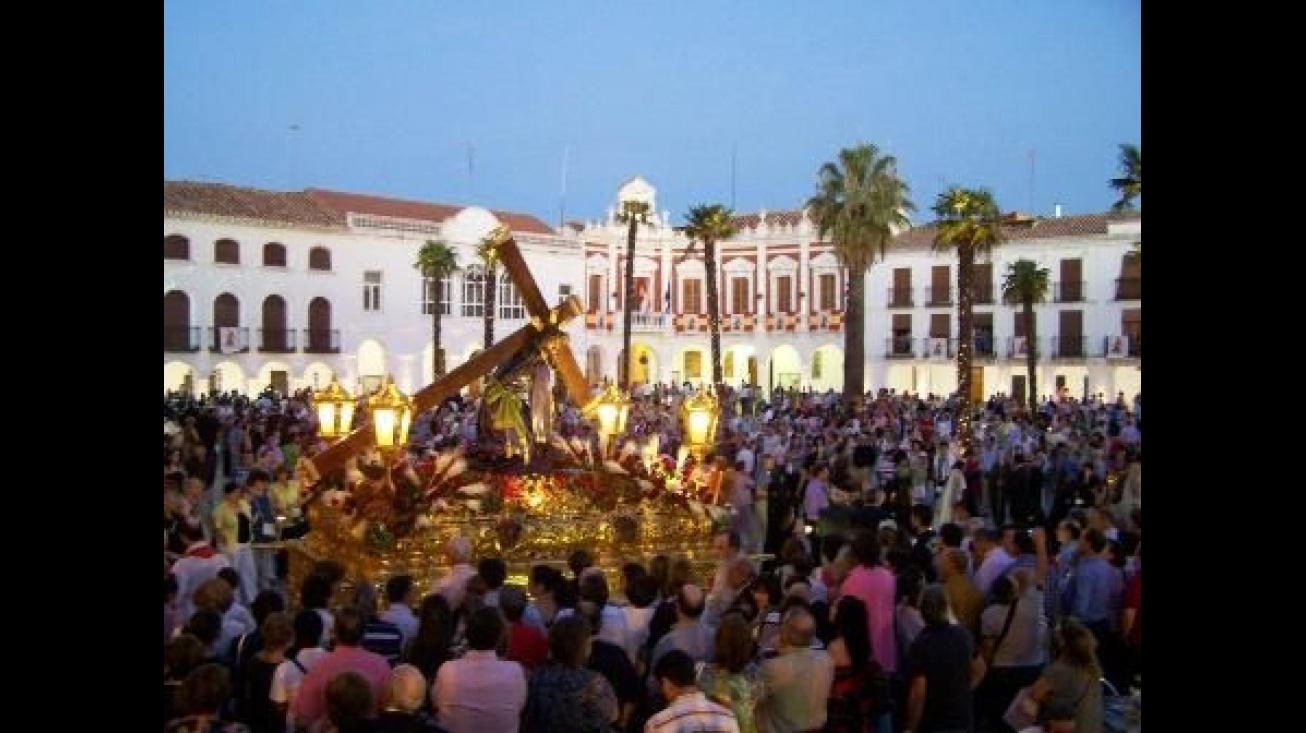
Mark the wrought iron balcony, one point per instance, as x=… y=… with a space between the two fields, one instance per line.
x=1018 y=347
x=1069 y=291
x=983 y=293
x=1129 y=288
x=647 y=322
x=321 y=341
x=181 y=338
x=229 y=340
x=938 y=296
x=1124 y=346
x=1069 y=348
x=900 y=298
x=983 y=345
x=276 y=340
x=938 y=348
x=899 y=347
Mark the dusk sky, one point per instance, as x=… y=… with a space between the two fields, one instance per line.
x=477 y=103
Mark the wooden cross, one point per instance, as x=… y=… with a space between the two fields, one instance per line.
x=543 y=332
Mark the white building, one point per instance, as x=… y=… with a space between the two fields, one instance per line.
x=308 y=283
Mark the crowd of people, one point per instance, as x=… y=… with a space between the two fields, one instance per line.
x=876 y=575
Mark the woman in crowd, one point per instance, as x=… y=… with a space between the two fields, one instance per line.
x=431 y=647
x=201 y=700
x=1073 y=677
x=564 y=696
x=859 y=696
x=732 y=679
x=1013 y=641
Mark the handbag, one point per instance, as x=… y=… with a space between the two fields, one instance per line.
x=1022 y=713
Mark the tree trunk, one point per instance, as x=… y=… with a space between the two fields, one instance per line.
x=437 y=354
x=713 y=311
x=627 y=305
x=965 y=337
x=854 y=340
x=491 y=291
x=1031 y=353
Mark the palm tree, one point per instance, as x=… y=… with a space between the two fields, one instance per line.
x=709 y=224
x=970 y=222
x=633 y=213
x=1130 y=183
x=860 y=201
x=1026 y=284
x=437 y=261
x=489 y=257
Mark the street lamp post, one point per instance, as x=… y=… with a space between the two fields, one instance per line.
x=335 y=410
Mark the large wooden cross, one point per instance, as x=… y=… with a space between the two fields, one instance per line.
x=543 y=332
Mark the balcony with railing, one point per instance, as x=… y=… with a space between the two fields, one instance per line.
x=899 y=347
x=1075 y=347
x=648 y=322
x=938 y=296
x=1018 y=347
x=276 y=340
x=984 y=347
x=983 y=293
x=1129 y=288
x=321 y=341
x=229 y=340
x=900 y=298
x=181 y=338
x=1069 y=291
x=1124 y=346
x=938 y=348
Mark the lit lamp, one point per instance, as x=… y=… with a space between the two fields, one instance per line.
x=392 y=413
x=698 y=415
x=335 y=410
x=611 y=408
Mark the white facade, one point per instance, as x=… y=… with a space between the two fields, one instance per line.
x=392 y=339
x=781 y=293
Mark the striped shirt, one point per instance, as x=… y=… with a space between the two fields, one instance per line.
x=384 y=638
x=692 y=712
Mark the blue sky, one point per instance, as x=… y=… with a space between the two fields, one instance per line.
x=394 y=97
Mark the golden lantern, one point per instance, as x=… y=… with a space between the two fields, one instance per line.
x=392 y=414
x=611 y=407
x=698 y=416
x=335 y=410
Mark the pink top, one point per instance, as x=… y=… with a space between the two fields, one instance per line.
x=310 y=703
x=876 y=587
x=479 y=692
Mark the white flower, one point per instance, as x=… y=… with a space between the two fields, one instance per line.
x=475 y=489
x=473 y=504
x=612 y=466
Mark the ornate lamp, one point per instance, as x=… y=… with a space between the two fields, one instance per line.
x=611 y=407
x=335 y=410
x=698 y=415
x=392 y=414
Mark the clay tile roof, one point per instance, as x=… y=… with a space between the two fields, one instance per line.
x=358 y=203
x=773 y=218
x=314 y=207
x=220 y=199
x=1065 y=226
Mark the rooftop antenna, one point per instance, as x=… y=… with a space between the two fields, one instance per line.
x=562 y=199
x=1029 y=201
x=294 y=155
x=734 y=155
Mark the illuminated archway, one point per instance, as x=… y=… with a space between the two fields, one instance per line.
x=180 y=376
x=371 y=365
x=826 y=369
x=692 y=364
x=739 y=365
x=784 y=369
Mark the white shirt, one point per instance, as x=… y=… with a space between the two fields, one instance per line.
x=745 y=456
x=191 y=572
x=994 y=564
x=402 y=616
x=288 y=677
x=479 y=692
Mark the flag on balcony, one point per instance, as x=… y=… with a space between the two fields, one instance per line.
x=937 y=348
x=228 y=340
x=1119 y=346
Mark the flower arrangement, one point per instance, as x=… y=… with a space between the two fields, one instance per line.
x=383 y=505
